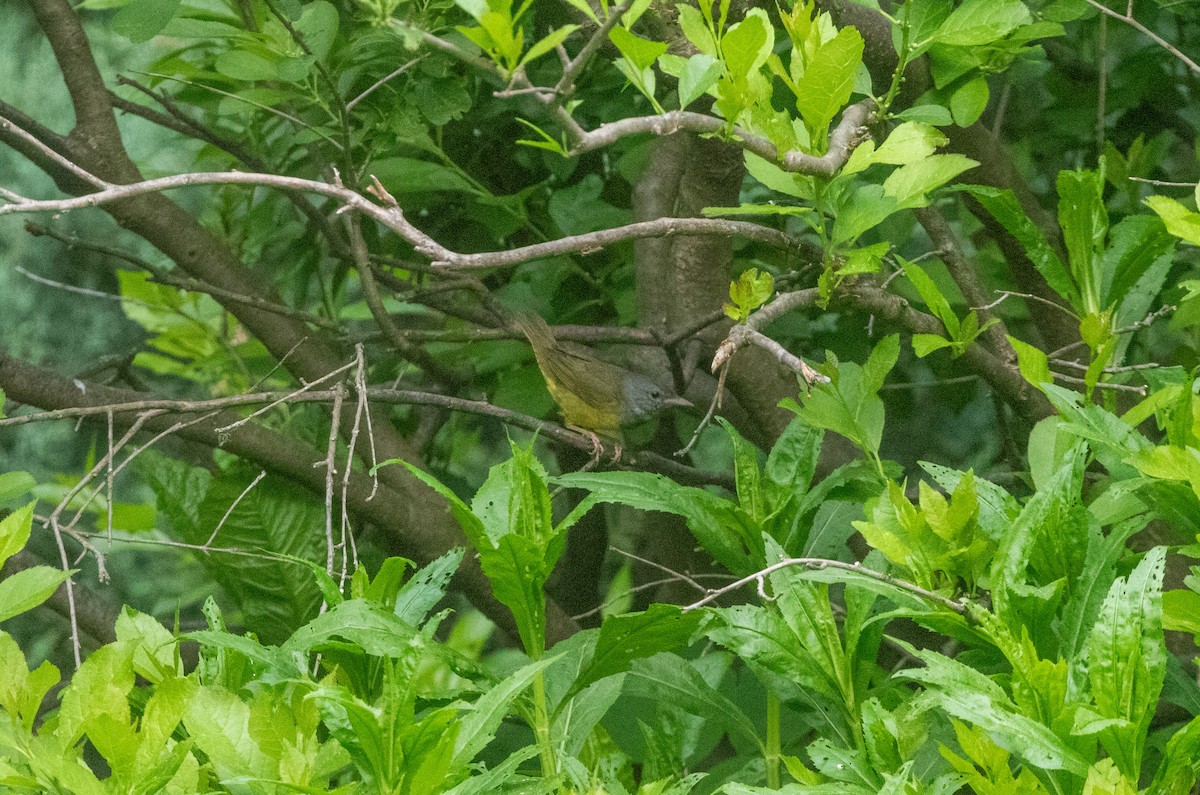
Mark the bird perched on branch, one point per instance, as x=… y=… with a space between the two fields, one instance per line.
x=596 y=398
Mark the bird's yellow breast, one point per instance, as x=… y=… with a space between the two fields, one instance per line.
x=580 y=412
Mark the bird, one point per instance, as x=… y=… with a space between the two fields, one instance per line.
x=596 y=398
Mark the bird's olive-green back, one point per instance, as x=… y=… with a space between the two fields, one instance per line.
x=589 y=392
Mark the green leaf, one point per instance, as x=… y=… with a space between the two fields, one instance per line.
x=699 y=74
x=909 y=143
x=545 y=45
x=724 y=530
x=746 y=45
x=969 y=101
x=246 y=66
x=28 y=588
x=967 y=694
x=977 y=22
x=1032 y=362
x=910 y=184
x=1180 y=221
x=932 y=296
x=634 y=636
x=669 y=678
x=642 y=53
x=750 y=291
x=142 y=20
x=14 y=531
x=480 y=724
x=925 y=344
x=828 y=80
x=1084 y=222
x=12 y=486
x=426 y=588
x=1136 y=242
x=1004 y=207
x=863 y=209
x=1126 y=660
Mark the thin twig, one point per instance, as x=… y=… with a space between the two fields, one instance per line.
x=262 y=474
x=1128 y=19
x=817 y=564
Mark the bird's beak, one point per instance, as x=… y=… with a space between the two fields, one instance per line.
x=682 y=403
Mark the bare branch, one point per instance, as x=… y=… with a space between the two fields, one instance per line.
x=1128 y=19
x=850 y=132
x=818 y=564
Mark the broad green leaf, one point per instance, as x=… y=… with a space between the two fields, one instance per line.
x=1032 y=362
x=792 y=460
x=246 y=66
x=1135 y=244
x=746 y=45
x=1181 y=611
x=1004 y=207
x=480 y=723
x=1180 y=221
x=828 y=80
x=14 y=531
x=634 y=636
x=909 y=143
x=699 y=74
x=751 y=495
x=977 y=22
x=545 y=45
x=426 y=588
x=969 y=695
x=909 y=185
x=925 y=344
x=968 y=102
x=407 y=175
x=142 y=20
x=1126 y=660
x=932 y=296
x=864 y=208
x=28 y=588
x=371 y=628
x=1084 y=223
x=100 y=687
x=696 y=29
x=642 y=53
x=666 y=677
x=748 y=292
x=318 y=24
x=12 y=486
x=724 y=530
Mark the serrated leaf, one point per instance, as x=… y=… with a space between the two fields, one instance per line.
x=1004 y=207
x=634 y=636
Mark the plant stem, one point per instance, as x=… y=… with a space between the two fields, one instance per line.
x=541 y=728
x=773 y=754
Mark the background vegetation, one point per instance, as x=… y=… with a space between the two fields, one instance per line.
x=930 y=263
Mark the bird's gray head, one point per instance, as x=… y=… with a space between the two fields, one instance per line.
x=644 y=398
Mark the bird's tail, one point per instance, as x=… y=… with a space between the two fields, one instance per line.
x=535 y=329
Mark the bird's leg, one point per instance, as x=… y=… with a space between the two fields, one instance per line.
x=597 y=448
x=616 y=452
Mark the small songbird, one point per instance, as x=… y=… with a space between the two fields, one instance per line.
x=596 y=398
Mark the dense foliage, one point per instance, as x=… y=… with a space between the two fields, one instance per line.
x=929 y=264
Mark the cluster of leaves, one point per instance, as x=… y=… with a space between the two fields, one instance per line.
x=1059 y=669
